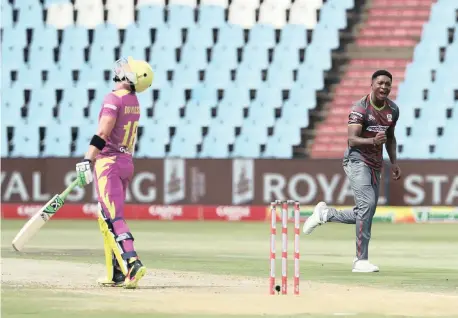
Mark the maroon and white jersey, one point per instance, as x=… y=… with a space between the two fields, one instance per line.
x=373 y=120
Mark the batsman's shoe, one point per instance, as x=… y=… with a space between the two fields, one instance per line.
x=364 y=266
x=135 y=272
x=117 y=281
x=318 y=217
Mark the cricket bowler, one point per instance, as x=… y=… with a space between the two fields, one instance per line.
x=371 y=124
x=110 y=155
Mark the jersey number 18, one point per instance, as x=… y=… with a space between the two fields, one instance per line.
x=130 y=131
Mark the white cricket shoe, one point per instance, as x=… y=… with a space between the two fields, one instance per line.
x=319 y=217
x=363 y=266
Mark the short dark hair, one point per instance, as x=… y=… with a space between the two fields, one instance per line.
x=382 y=72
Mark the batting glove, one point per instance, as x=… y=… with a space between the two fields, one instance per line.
x=84 y=172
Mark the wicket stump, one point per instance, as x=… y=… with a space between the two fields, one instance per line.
x=284 y=252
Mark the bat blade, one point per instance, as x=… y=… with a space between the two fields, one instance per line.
x=37 y=221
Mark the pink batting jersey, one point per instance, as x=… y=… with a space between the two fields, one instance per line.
x=123 y=105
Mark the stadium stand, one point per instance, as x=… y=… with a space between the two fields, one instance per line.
x=233 y=78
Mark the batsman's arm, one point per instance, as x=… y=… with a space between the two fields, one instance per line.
x=391 y=144
x=106 y=125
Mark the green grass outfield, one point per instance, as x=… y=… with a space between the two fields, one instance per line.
x=412 y=257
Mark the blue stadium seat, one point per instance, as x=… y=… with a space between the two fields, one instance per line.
x=14 y=37
x=6 y=78
x=166 y=113
x=333 y=13
x=278 y=147
x=30 y=13
x=211 y=16
x=12 y=58
x=90 y=77
x=229 y=113
x=102 y=57
x=15 y=95
x=262 y=36
x=245 y=147
x=257 y=132
x=152 y=143
x=217 y=76
x=328 y=32
x=137 y=35
x=185 y=76
x=221 y=133
x=309 y=73
x=417 y=150
x=74 y=37
x=426 y=54
x=85 y=134
x=289 y=129
x=303 y=95
x=261 y=114
x=47 y=3
x=433 y=33
x=44 y=36
x=6 y=15
x=294 y=36
x=40 y=115
x=216 y=142
x=172 y=95
x=250 y=76
x=73 y=58
x=59 y=78
x=145 y=100
x=231 y=34
x=280 y=77
x=42 y=56
x=291 y=111
x=199 y=113
x=160 y=78
x=73 y=115
x=213 y=147
x=318 y=55
x=204 y=94
x=44 y=97
x=4 y=142
x=286 y=56
x=106 y=35
x=25 y=141
x=137 y=52
x=199 y=37
x=224 y=56
x=28 y=78
x=443 y=13
x=168 y=37
x=343 y=4
x=162 y=58
x=151 y=16
x=270 y=96
x=180 y=16
x=237 y=93
x=73 y=96
x=57 y=141
x=194 y=57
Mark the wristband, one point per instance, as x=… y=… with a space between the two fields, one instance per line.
x=97 y=142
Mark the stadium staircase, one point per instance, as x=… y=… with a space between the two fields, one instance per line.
x=388 y=28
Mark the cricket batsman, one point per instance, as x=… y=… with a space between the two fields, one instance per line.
x=370 y=126
x=109 y=162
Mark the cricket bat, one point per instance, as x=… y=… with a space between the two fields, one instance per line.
x=39 y=219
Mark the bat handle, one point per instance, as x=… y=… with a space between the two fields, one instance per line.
x=69 y=189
